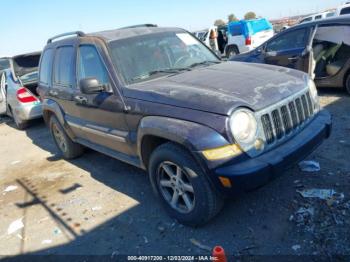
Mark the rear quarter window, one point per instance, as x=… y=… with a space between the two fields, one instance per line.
x=45 y=71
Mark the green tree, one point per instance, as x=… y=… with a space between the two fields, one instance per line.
x=232 y=18
x=249 y=16
x=219 y=22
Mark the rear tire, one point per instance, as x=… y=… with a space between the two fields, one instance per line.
x=347 y=84
x=66 y=146
x=231 y=52
x=182 y=186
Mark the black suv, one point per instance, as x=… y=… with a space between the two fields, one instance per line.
x=159 y=99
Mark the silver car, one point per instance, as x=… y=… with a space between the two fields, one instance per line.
x=18 y=96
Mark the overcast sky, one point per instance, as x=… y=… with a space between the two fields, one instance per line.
x=25 y=25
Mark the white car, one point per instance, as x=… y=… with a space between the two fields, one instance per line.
x=246 y=35
x=18 y=96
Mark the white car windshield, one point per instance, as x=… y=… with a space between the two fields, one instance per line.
x=154 y=55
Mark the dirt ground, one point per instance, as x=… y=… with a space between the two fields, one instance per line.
x=96 y=205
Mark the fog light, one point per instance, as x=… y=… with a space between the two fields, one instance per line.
x=222 y=152
x=259 y=144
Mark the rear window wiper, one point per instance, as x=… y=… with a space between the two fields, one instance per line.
x=205 y=63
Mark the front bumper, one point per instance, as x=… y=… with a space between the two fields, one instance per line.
x=256 y=172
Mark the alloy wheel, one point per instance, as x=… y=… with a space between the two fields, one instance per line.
x=59 y=137
x=176 y=187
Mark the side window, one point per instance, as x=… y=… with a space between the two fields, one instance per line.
x=64 y=67
x=306 y=20
x=318 y=17
x=46 y=67
x=288 y=41
x=90 y=64
x=345 y=11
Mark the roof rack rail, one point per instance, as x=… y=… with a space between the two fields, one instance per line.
x=78 y=33
x=141 y=25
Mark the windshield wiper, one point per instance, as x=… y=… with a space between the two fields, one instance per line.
x=205 y=63
x=166 y=71
x=169 y=70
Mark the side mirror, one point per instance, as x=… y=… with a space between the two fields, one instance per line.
x=90 y=86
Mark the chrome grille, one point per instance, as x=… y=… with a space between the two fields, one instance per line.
x=283 y=119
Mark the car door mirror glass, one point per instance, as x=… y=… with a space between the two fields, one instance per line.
x=90 y=86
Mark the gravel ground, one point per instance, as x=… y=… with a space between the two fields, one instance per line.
x=97 y=205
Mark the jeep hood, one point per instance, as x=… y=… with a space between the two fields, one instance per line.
x=220 y=88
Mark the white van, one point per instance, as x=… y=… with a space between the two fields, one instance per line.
x=344 y=9
x=246 y=35
x=318 y=16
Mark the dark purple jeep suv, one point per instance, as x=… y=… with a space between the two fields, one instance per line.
x=159 y=99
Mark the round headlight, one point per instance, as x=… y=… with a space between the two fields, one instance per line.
x=243 y=126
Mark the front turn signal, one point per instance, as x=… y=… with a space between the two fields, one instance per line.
x=222 y=152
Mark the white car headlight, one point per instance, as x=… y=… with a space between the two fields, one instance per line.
x=243 y=126
x=314 y=94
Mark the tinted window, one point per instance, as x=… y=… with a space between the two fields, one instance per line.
x=46 y=67
x=236 y=30
x=306 y=20
x=90 y=64
x=318 y=17
x=292 y=40
x=345 y=11
x=64 y=68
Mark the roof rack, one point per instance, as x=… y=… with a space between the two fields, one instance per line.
x=141 y=25
x=78 y=33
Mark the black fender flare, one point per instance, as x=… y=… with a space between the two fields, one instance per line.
x=53 y=107
x=193 y=136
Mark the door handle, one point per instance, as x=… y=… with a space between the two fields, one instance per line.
x=53 y=93
x=294 y=58
x=80 y=99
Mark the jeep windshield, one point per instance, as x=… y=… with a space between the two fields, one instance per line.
x=145 y=57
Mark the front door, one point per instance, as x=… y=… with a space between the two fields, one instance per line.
x=290 y=49
x=101 y=113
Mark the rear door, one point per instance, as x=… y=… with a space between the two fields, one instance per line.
x=64 y=86
x=2 y=93
x=290 y=49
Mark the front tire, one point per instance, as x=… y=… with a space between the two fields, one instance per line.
x=347 y=84
x=66 y=146
x=183 y=188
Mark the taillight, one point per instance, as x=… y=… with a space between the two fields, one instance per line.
x=24 y=96
x=248 y=41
